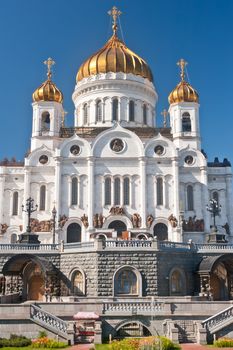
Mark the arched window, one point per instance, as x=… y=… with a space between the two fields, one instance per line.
x=98 y=111
x=126 y=191
x=78 y=283
x=13 y=238
x=107 y=191
x=115 y=109
x=45 y=121
x=85 y=113
x=177 y=283
x=15 y=203
x=215 y=196
x=126 y=282
x=117 y=191
x=42 y=197
x=189 y=197
x=159 y=191
x=74 y=233
x=131 y=111
x=74 y=191
x=144 y=112
x=186 y=122
x=161 y=232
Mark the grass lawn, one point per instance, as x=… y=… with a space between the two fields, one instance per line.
x=102 y=347
x=29 y=348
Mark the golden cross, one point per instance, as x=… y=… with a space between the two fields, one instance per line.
x=115 y=13
x=63 y=114
x=164 y=113
x=49 y=63
x=182 y=64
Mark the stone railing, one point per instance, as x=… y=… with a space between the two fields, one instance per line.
x=144 y=307
x=79 y=245
x=163 y=245
x=219 y=320
x=214 y=247
x=49 y=321
x=127 y=244
x=19 y=246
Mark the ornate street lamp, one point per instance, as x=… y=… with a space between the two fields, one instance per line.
x=214 y=208
x=54 y=215
x=29 y=237
x=29 y=210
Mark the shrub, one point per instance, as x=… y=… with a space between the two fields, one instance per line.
x=42 y=334
x=224 y=343
x=15 y=341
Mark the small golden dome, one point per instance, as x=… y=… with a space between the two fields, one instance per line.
x=183 y=92
x=114 y=57
x=48 y=90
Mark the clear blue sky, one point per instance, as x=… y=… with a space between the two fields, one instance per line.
x=161 y=31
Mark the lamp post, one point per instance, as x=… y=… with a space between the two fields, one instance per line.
x=29 y=210
x=29 y=237
x=54 y=215
x=214 y=208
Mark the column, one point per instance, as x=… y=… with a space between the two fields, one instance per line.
x=57 y=186
x=121 y=192
x=228 y=202
x=205 y=198
x=2 y=185
x=91 y=191
x=27 y=193
x=175 y=171
x=143 y=191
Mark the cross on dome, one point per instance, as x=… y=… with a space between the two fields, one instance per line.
x=114 y=13
x=49 y=63
x=182 y=64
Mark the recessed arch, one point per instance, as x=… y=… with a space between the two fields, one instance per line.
x=119 y=226
x=73 y=233
x=127 y=281
x=177 y=282
x=160 y=231
x=78 y=282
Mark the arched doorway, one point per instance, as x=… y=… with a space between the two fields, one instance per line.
x=219 y=282
x=118 y=226
x=74 y=233
x=161 y=232
x=34 y=281
x=133 y=329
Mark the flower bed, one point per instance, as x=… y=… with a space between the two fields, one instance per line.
x=148 y=343
x=224 y=343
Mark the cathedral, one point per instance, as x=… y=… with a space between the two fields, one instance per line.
x=124 y=223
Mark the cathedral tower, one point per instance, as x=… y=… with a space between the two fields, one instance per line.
x=184 y=113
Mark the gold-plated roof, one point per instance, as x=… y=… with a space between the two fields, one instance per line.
x=114 y=57
x=48 y=90
x=183 y=92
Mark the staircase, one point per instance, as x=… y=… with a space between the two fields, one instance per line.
x=50 y=322
x=219 y=321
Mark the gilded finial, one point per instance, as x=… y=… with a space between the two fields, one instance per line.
x=114 y=13
x=164 y=113
x=182 y=64
x=63 y=115
x=49 y=63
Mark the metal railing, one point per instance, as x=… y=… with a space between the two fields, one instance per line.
x=49 y=321
x=219 y=320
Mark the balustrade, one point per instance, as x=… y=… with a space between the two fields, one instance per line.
x=19 y=246
x=133 y=307
x=128 y=244
x=48 y=321
x=219 y=320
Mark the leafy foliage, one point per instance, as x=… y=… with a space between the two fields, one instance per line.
x=148 y=343
x=45 y=342
x=224 y=343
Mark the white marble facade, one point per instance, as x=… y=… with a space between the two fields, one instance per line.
x=129 y=163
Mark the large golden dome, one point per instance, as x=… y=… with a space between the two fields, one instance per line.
x=48 y=90
x=114 y=57
x=183 y=92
